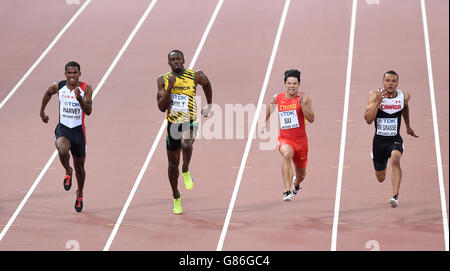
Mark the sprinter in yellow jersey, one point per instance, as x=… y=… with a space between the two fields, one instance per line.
x=176 y=95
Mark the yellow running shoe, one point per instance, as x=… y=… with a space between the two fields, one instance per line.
x=177 y=206
x=188 y=181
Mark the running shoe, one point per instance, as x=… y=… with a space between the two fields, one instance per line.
x=287 y=196
x=79 y=203
x=394 y=202
x=177 y=206
x=295 y=189
x=67 y=182
x=188 y=181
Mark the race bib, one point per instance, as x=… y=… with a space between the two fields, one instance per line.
x=179 y=103
x=288 y=120
x=387 y=126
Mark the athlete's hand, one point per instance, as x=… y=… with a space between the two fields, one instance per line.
x=380 y=96
x=172 y=80
x=206 y=110
x=262 y=128
x=44 y=117
x=78 y=94
x=410 y=132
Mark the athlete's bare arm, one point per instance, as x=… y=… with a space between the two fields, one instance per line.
x=271 y=106
x=52 y=90
x=405 y=114
x=163 y=96
x=202 y=79
x=86 y=101
x=374 y=101
x=307 y=110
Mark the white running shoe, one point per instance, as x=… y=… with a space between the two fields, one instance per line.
x=294 y=189
x=393 y=202
x=287 y=196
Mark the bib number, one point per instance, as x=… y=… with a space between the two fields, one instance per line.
x=387 y=126
x=180 y=103
x=288 y=119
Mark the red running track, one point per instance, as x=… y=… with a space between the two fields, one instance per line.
x=125 y=122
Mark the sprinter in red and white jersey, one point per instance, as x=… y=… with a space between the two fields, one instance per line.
x=294 y=109
x=385 y=108
x=75 y=101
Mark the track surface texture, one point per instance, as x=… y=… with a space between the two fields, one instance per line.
x=245 y=63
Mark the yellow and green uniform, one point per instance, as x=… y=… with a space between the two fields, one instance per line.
x=183 y=107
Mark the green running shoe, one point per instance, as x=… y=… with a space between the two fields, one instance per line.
x=188 y=181
x=177 y=206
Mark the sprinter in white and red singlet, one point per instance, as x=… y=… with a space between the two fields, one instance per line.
x=294 y=109
x=385 y=108
x=75 y=101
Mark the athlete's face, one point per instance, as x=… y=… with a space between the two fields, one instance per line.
x=72 y=75
x=176 y=62
x=390 y=82
x=292 y=84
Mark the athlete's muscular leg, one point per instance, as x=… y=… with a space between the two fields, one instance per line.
x=174 y=161
x=300 y=174
x=63 y=146
x=396 y=171
x=78 y=162
x=286 y=166
x=187 y=142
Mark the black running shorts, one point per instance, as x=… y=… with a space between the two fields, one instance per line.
x=174 y=132
x=382 y=148
x=76 y=138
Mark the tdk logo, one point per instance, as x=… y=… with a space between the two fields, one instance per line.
x=72 y=104
x=287 y=113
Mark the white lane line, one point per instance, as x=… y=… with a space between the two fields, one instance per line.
x=435 y=126
x=50 y=161
x=159 y=135
x=25 y=199
x=30 y=70
x=253 y=127
x=344 y=128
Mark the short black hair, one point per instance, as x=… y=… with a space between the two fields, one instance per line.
x=292 y=73
x=72 y=64
x=390 y=72
x=175 y=51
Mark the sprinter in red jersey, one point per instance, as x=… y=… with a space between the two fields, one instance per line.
x=294 y=109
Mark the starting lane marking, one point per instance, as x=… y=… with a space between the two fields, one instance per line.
x=55 y=153
x=159 y=135
x=72 y=2
x=372 y=2
x=55 y=40
x=73 y=245
x=253 y=127
x=435 y=126
x=373 y=245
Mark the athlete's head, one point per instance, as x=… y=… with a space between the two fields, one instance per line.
x=72 y=72
x=390 y=81
x=292 y=81
x=292 y=73
x=176 y=60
